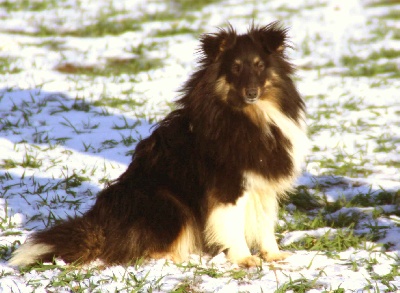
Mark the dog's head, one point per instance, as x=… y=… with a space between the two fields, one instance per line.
x=249 y=65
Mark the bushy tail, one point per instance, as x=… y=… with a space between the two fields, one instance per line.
x=75 y=240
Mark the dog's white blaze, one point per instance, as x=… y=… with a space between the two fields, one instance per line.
x=263 y=194
x=295 y=131
x=29 y=253
x=225 y=227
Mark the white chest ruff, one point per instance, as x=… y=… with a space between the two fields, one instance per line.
x=262 y=194
x=295 y=132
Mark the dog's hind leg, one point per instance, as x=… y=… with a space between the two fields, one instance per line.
x=176 y=216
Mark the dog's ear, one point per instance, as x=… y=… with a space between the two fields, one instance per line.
x=213 y=45
x=272 y=37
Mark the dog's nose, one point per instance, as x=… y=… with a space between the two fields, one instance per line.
x=251 y=93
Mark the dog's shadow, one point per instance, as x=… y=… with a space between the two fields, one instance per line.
x=35 y=123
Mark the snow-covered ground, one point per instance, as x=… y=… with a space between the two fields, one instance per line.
x=72 y=108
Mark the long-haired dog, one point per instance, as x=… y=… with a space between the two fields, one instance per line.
x=210 y=176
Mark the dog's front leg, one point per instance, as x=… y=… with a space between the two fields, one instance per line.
x=225 y=228
x=269 y=250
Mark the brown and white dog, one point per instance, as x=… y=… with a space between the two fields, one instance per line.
x=210 y=176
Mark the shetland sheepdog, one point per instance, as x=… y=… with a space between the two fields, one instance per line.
x=210 y=176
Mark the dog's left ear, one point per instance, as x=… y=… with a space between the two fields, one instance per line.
x=272 y=37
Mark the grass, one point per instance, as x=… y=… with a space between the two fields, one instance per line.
x=361 y=67
x=187 y=5
x=110 y=20
x=29 y=160
x=297 y=285
x=8 y=66
x=313 y=212
x=107 y=23
x=364 y=67
x=28 y=5
x=384 y=3
x=346 y=165
x=389 y=69
x=393 y=14
x=104 y=25
x=121 y=104
x=331 y=241
x=113 y=67
x=174 y=31
x=385 y=53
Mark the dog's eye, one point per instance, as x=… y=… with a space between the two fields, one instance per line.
x=236 y=68
x=260 y=65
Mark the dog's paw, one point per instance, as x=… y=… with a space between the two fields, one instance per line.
x=274 y=256
x=250 y=261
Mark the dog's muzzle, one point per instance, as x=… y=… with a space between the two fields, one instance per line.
x=251 y=95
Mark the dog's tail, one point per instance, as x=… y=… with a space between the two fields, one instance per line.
x=75 y=240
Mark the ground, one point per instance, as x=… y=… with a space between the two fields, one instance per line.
x=81 y=82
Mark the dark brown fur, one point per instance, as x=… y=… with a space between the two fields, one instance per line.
x=195 y=159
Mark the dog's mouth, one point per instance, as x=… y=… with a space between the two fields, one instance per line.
x=250 y=101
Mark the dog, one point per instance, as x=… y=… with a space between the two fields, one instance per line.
x=210 y=176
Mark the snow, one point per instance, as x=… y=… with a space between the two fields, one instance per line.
x=43 y=118
x=296 y=236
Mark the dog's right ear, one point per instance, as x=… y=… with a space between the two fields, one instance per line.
x=272 y=37
x=213 y=45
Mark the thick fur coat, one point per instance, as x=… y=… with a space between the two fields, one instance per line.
x=210 y=176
